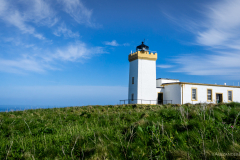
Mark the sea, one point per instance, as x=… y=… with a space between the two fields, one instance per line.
x=10 y=108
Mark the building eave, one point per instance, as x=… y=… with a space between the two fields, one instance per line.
x=167 y=79
x=165 y=84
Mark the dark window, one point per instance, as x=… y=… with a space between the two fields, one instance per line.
x=229 y=95
x=194 y=94
x=209 y=95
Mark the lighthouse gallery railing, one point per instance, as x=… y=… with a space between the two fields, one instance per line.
x=132 y=101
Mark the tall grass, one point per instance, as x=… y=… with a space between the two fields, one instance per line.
x=122 y=132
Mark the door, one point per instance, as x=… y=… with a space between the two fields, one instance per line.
x=160 y=98
x=219 y=98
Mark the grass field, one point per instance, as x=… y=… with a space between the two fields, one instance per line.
x=122 y=132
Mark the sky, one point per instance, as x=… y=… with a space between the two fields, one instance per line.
x=75 y=52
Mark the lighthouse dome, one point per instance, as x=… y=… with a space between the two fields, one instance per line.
x=142 y=47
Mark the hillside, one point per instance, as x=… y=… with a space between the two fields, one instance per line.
x=122 y=132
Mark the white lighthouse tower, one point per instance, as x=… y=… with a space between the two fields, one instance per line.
x=142 y=76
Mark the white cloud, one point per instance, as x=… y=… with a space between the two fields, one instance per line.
x=2 y=6
x=16 y=41
x=78 y=11
x=46 y=60
x=35 y=11
x=112 y=43
x=212 y=37
x=218 y=27
x=17 y=20
x=115 y=43
x=218 y=31
x=77 y=51
x=28 y=15
x=222 y=24
x=63 y=30
x=39 y=12
x=21 y=65
x=165 y=66
x=226 y=64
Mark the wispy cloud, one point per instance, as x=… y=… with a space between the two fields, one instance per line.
x=78 y=11
x=40 y=63
x=28 y=15
x=18 y=21
x=16 y=41
x=63 y=30
x=2 y=6
x=77 y=51
x=35 y=11
x=218 y=31
x=21 y=65
x=112 y=43
x=165 y=66
x=37 y=18
x=40 y=12
x=115 y=43
x=226 y=64
x=222 y=24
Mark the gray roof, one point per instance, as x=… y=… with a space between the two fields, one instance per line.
x=168 y=79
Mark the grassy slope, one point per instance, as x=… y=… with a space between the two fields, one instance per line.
x=121 y=132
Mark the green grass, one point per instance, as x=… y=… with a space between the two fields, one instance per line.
x=122 y=132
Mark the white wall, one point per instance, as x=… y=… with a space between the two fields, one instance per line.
x=202 y=93
x=147 y=80
x=144 y=87
x=172 y=92
x=158 y=90
x=132 y=88
x=159 y=82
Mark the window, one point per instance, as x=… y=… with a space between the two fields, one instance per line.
x=209 y=94
x=194 y=94
x=229 y=96
x=132 y=97
x=132 y=80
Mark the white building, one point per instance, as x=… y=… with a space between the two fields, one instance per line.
x=144 y=88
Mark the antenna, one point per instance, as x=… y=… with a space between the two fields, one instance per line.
x=144 y=40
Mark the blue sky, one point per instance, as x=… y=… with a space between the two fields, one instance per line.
x=75 y=52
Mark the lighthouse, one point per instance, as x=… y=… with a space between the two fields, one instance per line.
x=142 y=76
x=144 y=88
